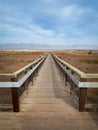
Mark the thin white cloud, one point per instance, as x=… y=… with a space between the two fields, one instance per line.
x=70 y=12
x=20 y=27
x=17 y=23
x=74 y=10
x=32 y=29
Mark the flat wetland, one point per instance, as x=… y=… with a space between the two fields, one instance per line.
x=86 y=61
x=11 y=61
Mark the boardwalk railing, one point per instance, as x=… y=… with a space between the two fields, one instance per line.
x=78 y=80
x=12 y=92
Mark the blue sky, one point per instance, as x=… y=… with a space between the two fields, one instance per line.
x=55 y=22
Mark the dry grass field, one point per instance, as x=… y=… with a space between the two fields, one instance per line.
x=86 y=61
x=11 y=61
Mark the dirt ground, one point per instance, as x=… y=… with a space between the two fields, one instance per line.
x=86 y=61
x=11 y=61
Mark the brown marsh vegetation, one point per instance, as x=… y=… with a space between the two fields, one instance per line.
x=11 y=61
x=86 y=61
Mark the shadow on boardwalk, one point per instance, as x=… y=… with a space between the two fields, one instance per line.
x=61 y=92
x=49 y=106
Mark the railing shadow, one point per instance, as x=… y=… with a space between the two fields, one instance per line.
x=63 y=92
x=60 y=90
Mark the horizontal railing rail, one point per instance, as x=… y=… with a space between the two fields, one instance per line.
x=21 y=81
x=75 y=70
x=81 y=82
x=15 y=74
x=18 y=85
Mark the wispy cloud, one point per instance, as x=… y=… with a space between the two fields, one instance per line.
x=50 y=24
x=70 y=12
x=13 y=22
x=74 y=11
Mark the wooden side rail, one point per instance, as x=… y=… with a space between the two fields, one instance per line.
x=16 y=84
x=81 y=83
x=75 y=70
x=23 y=70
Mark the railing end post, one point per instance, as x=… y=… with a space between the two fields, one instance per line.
x=82 y=98
x=15 y=97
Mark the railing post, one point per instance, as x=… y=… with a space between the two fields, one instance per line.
x=82 y=97
x=15 y=97
x=32 y=79
x=25 y=86
x=66 y=79
x=71 y=83
x=37 y=72
x=71 y=86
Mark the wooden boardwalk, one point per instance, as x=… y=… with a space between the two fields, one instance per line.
x=48 y=106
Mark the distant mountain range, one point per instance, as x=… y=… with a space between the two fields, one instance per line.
x=35 y=46
x=19 y=46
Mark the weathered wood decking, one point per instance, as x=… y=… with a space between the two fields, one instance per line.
x=48 y=106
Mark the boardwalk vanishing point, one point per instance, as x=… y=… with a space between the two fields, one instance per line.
x=48 y=106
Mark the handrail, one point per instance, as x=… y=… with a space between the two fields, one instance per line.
x=17 y=86
x=29 y=65
x=79 y=72
x=79 y=83
x=21 y=81
x=13 y=75
x=68 y=72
